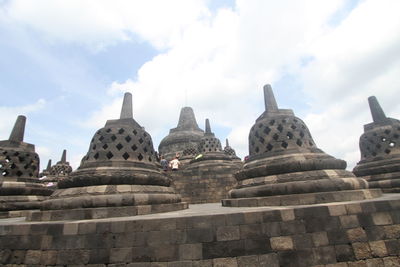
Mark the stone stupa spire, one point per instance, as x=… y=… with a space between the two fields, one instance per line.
x=64 y=156
x=17 y=133
x=269 y=99
x=376 y=111
x=126 y=110
x=48 y=165
x=208 y=127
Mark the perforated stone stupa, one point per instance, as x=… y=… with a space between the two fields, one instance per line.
x=208 y=177
x=21 y=188
x=184 y=137
x=380 y=151
x=285 y=167
x=53 y=174
x=230 y=151
x=118 y=176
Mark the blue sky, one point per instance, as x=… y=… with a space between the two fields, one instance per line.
x=66 y=64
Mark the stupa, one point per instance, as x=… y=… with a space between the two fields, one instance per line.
x=186 y=135
x=380 y=151
x=230 y=151
x=21 y=189
x=46 y=171
x=210 y=175
x=285 y=167
x=119 y=176
x=53 y=174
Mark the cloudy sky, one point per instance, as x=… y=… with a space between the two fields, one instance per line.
x=66 y=64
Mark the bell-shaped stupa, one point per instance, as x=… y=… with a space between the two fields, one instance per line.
x=119 y=176
x=230 y=151
x=53 y=174
x=19 y=166
x=285 y=167
x=380 y=151
x=186 y=135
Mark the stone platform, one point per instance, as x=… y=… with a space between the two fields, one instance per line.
x=356 y=233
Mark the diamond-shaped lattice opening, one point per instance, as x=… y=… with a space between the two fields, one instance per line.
x=94 y=147
x=289 y=135
x=149 y=143
x=128 y=139
x=311 y=144
x=13 y=166
x=295 y=120
x=109 y=155
x=280 y=128
x=378 y=146
x=145 y=134
x=383 y=139
x=271 y=122
x=18 y=173
x=113 y=137
x=108 y=130
x=134 y=147
x=145 y=149
x=301 y=134
x=262 y=140
x=256 y=134
x=293 y=126
x=26 y=166
x=141 y=140
x=140 y=157
x=96 y=156
x=395 y=136
x=257 y=150
x=275 y=137
x=150 y=159
x=374 y=154
x=269 y=147
x=260 y=125
x=387 y=131
x=98 y=132
x=125 y=156
x=21 y=159
x=121 y=131
x=387 y=151
x=119 y=146
x=299 y=142
x=16 y=153
x=284 y=144
x=101 y=138
x=134 y=132
x=392 y=144
x=267 y=130
x=4 y=173
x=105 y=146
x=284 y=121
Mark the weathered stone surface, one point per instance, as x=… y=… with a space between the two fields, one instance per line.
x=20 y=188
x=284 y=162
x=119 y=171
x=380 y=151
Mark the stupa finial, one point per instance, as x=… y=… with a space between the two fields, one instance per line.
x=269 y=98
x=18 y=131
x=226 y=142
x=187 y=120
x=48 y=165
x=377 y=112
x=64 y=156
x=126 y=111
x=208 y=127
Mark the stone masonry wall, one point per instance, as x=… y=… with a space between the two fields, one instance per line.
x=345 y=234
x=205 y=181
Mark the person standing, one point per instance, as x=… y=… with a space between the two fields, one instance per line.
x=164 y=163
x=174 y=164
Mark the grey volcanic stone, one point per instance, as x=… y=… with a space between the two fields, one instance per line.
x=119 y=170
x=284 y=162
x=185 y=136
x=61 y=170
x=19 y=166
x=380 y=151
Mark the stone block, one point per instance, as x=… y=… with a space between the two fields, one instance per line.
x=199 y=235
x=180 y=264
x=393 y=247
x=349 y=221
x=164 y=253
x=337 y=237
x=353 y=208
x=70 y=229
x=302 y=241
x=223 y=249
x=324 y=255
x=268 y=260
x=282 y=243
x=344 y=253
x=120 y=255
x=337 y=210
x=320 y=239
x=226 y=233
x=382 y=218
x=361 y=250
x=356 y=235
x=202 y=263
x=374 y=262
x=87 y=228
x=250 y=231
x=361 y=263
x=292 y=227
x=378 y=249
x=392 y=231
x=17 y=257
x=271 y=229
x=225 y=262
x=287 y=215
x=252 y=217
x=391 y=262
x=248 y=261
x=339 y=264
x=190 y=251
x=72 y=256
